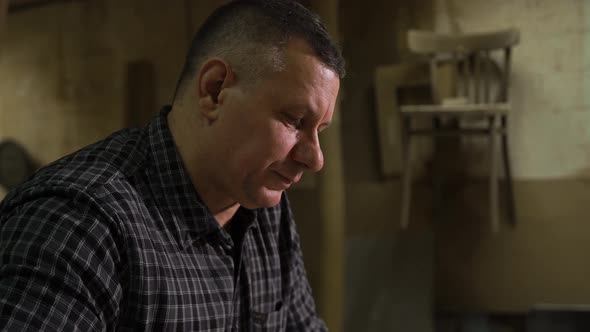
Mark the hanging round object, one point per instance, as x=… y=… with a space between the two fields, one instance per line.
x=15 y=164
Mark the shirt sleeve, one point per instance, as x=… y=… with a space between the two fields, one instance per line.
x=302 y=315
x=58 y=268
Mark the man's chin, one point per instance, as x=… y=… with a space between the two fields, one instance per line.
x=266 y=199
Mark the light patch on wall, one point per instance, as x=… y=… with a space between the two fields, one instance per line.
x=586 y=57
x=583 y=147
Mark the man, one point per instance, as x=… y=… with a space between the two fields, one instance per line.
x=184 y=225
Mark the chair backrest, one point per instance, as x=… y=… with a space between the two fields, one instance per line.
x=477 y=65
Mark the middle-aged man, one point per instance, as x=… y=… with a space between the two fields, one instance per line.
x=184 y=225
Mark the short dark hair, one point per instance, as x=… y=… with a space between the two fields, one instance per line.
x=250 y=32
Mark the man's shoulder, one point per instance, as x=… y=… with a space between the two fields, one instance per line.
x=88 y=170
x=120 y=155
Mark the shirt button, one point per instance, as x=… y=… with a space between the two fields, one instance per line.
x=259 y=317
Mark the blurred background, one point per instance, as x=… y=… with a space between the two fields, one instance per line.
x=72 y=72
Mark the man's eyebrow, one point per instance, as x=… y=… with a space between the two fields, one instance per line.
x=306 y=110
x=297 y=108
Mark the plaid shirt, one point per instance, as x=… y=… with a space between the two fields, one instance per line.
x=114 y=237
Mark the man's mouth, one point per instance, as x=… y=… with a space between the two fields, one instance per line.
x=288 y=179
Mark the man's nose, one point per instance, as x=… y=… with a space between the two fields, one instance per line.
x=309 y=153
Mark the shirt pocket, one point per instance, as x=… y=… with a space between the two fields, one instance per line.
x=271 y=319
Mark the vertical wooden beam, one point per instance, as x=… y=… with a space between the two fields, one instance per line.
x=141 y=91
x=332 y=201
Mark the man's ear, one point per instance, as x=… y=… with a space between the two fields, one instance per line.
x=215 y=75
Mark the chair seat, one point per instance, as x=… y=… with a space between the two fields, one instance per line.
x=467 y=109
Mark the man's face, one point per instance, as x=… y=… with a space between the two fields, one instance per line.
x=268 y=133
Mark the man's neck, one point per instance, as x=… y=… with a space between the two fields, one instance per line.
x=225 y=215
x=222 y=208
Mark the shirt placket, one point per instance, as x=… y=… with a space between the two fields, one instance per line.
x=227 y=244
x=241 y=277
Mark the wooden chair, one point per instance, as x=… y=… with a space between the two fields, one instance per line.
x=477 y=72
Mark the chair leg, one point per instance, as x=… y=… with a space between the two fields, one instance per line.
x=408 y=151
x=493 y=186
x=508 y=186
x=436 y=172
